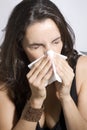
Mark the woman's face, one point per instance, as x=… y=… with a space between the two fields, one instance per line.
x=41 y=37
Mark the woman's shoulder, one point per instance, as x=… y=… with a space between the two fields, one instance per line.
x=7 y=108
x=81 y=71
x=82 y=63
x=4 y=96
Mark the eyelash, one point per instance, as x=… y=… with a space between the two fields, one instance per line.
x=37 y=46
x=56 y=42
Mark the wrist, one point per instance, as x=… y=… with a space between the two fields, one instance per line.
x=36 y=103
x=65 y=98
x=31 y=114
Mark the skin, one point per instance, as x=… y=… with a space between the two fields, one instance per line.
x=41 y=37
x=42 y=40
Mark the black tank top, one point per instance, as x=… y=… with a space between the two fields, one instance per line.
x=60 y=125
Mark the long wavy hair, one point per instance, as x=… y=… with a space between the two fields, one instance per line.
x=13 y=60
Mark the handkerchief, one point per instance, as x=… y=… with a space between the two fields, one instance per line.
x=55 y=76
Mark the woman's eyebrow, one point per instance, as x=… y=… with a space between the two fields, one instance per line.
x=56 y=39
x=38 y=43
x=32 y=44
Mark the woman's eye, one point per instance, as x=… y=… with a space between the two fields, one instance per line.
x=56 y=42
x=35 y=47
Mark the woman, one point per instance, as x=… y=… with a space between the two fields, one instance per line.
x=34 y=27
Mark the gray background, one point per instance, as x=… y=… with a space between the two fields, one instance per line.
x=75 y=12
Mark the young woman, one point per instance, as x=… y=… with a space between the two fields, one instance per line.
x=34 y=27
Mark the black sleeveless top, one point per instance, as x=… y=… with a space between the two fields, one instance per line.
x=60 y=125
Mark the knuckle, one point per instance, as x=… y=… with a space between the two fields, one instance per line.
x=27 y=76
x=35 y=66
x=30 y=81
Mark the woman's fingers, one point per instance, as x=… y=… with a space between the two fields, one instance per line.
x=65 y=72
x=45 y=70
x=36 y=66
x=41 y=70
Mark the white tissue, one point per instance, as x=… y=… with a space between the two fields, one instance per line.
x=55 y=76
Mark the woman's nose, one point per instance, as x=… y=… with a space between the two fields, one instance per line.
x=47 y=48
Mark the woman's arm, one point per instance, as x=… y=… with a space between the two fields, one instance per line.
x=8 y=116
x=37 y=79
x=7 y=112
x=73 y=116
x=76 y=116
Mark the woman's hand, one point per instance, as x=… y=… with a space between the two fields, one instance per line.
x=66 y=73
x=37 y=78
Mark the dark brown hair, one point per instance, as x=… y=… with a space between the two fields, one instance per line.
x=13 y=65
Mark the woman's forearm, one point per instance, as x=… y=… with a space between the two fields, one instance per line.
x=25 y=125
x=73 y=118
x=30 y=116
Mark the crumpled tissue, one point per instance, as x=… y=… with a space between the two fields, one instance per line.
x=55 y=76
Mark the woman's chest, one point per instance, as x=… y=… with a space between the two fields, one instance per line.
x=51 y=115
x=52 y=109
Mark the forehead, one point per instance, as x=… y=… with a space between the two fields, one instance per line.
x=41 y=31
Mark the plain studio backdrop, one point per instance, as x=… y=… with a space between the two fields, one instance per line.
x=74 y=11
